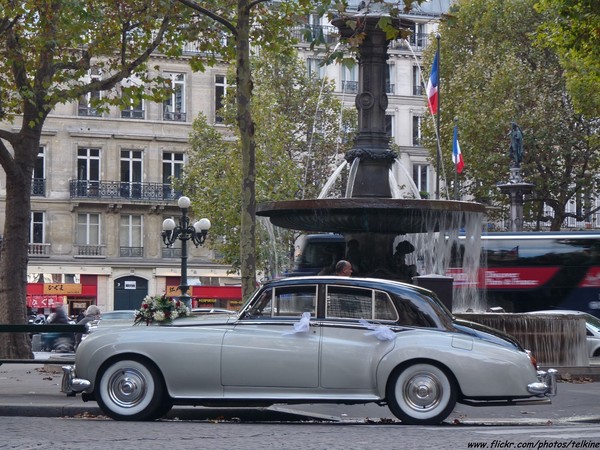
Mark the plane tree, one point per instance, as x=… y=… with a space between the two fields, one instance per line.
x=493 y=74
x=48 y=49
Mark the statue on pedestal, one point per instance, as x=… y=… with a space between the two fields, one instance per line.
x=516 y=145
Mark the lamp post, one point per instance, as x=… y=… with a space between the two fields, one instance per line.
x=184 y=232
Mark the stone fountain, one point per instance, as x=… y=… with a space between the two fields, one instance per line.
x=375 y=225
x=369 y=218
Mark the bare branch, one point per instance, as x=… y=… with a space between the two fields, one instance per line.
x=211 y=14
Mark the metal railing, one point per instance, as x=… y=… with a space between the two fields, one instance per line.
x=38 y=187
x=131 y=252
x=111 y=190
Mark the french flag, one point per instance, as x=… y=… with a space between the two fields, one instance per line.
x=432 y=85
x=457 y=157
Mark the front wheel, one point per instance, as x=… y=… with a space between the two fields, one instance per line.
x=421 y=394
x=131 y=390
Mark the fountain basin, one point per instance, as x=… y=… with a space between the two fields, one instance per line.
x=367 y=215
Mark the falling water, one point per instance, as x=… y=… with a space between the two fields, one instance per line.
x=555 y=340
x=326 y=191
x=352 y=177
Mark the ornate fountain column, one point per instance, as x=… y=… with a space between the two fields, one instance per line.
x=372 y=145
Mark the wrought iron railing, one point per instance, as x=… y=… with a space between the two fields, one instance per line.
x=109 y=190
x=171 y=252
x=319 y=33
x=174 y=116
x=131 y=252
x=38 y=187
x=132 y=114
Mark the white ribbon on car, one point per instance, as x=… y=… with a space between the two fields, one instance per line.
x=302 y=326
x=381 y=332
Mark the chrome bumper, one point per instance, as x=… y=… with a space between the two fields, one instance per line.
x=71 y=385
x=546 y=384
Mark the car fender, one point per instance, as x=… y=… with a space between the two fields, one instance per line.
x=481 y=369
x=158 y=347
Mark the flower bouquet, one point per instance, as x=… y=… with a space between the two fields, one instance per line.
x=160 y=309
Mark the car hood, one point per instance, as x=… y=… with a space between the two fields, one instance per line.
x=487 y=333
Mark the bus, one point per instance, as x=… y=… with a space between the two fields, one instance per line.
x=530 y=271
x=519 y=271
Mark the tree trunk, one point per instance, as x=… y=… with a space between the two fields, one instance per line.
x=15 y=240
x=246 y=127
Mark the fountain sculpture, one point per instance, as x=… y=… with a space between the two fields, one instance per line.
x=375 y=225
x=369 y=217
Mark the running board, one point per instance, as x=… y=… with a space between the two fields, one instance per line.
x=525 y=401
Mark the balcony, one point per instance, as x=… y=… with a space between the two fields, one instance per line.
x=90 y=250
x=131 y=252
x=88 y=111
x=36 y=249
x=132 y=114
x=319 y=33
x=174 y=116
x=120 y=190
x=38 y=187
x=171 y=252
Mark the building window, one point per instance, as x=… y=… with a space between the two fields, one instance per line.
x=174 y=108
x=38 y=187
x=418 y=38
x=36 y=228
x=350 y=79
x=389 y=125
x=88 y=102
x=389 y=79
x=135 y=110
x=220 y=93
x=421 y=177
x=416 y=131
x=131 y=173
x=88 y=229
x=417 y=82
x=131 y=236
x=315 y=67
x=172 y=168
x=88 y=172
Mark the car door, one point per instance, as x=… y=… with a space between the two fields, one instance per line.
x=350 y=353
x=264 y=349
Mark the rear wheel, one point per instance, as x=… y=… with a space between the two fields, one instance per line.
x=132 y=390
x=421 y=394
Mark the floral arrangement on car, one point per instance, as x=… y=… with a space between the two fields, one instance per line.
x=160 y=309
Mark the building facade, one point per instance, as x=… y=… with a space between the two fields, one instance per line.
x=102 y=181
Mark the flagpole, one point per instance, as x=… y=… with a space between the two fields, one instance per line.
x=437 y=122
x=455 y=167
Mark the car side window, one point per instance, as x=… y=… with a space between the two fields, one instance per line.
x=290 y=301
x=413 y=316
x=356 y=303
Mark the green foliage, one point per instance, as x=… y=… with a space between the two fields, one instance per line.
x=573 y=32
x=491 y=75
x=49 y=48
x=297 y=130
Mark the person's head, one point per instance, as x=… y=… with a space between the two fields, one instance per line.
x=343 y=268
x=92 y=310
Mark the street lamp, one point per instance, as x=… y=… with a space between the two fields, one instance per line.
x=184 y=232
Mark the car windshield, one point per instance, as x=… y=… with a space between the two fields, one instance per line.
x=593 y=323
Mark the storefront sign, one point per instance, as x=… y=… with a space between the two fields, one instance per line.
x=130 y=284
x=62 y=289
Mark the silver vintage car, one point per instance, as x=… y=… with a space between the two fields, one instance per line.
x=308 y=340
